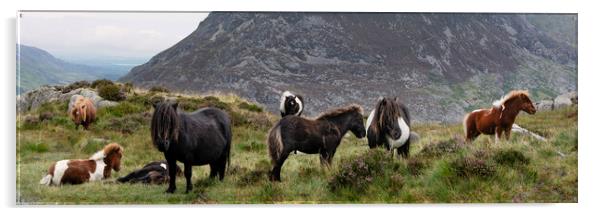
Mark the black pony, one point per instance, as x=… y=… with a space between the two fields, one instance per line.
x=198 y=138
x=389 y=123
x=291 y=104
x=312 y=136
x=155 y=172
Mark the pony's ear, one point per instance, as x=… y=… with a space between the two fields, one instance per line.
x=175 y=105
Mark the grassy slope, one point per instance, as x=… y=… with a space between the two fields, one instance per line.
x=431 y=175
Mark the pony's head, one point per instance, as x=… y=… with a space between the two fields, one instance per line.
x=113 y=153
x=165 y=125
x=517 y=99
x=290 y=104
x=78 y=112
x=527 y=104
x=387 y=114
x=356 y=124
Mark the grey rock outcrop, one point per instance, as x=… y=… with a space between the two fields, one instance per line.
x=33 y=99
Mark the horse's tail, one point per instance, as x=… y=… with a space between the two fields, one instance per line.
x=228 y=135
x=46 y=180
x=275 y=144
x=465 y=125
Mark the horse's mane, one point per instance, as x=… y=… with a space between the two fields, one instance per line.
x=108 y=149
x=165 y=119
x=511 y=95
x=388 y=112
x=339 y=111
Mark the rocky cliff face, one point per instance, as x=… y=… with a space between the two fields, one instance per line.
x=441 y=65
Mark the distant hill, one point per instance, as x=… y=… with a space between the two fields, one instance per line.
x=36 y=67
x=441 y=65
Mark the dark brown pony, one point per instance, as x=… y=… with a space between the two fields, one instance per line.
x=312 y=136
x=499 y=118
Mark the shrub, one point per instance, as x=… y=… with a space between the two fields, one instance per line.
x=75 y=85
x=415 y=166
x=36 y=147
x=511 y=158
x=111 y=92
x=250 y=107
x=156 y=89
x=357 y=174
x=100 y=83
x=45 y=116
x=127 y=124
x=473 y=167
x=122 y=109
x=440 y=148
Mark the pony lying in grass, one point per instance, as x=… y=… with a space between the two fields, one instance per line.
x=291 y=104
x=96 y=168
x=198 y=138
x=155 y=172
x=81 y=111
x=389 y=124
x=498 y=119
x=312 y=136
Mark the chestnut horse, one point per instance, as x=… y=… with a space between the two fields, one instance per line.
x=82 y=111
x=321 y=135
x=96 y=168
x=499 y=118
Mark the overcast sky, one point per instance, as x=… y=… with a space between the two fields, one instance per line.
x=72 y=35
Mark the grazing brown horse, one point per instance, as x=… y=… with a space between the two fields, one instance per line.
x=321 y=135
x=96 y=168
x=499 y=118
x=82 y=111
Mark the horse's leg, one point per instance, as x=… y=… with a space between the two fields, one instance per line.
x=172 y=175
x=213 y=170
x=222 y=169
x=188 y=175
x=404 y=150
x=275 y=175
x=507 y=133
x=498 y=134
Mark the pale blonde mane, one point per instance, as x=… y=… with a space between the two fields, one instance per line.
x=108 y=149
x=339 y=111
x=509 y=96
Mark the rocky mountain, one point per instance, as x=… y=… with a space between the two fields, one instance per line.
x=37 y=67
x=441 y=65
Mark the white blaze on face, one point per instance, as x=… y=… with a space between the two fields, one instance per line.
x=59 y=171
x=98 y=174
x=300 y=106
x=164 y=166
x=369 y=122
x=283 y=99
x=405 y=134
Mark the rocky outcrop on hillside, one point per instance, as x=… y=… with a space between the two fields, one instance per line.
x=561 y=101
x=441 y=65
x=34 y=98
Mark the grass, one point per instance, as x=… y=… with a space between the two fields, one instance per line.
x=441 y=168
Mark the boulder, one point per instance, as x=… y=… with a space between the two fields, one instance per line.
x=565 y=100
x=544 y=105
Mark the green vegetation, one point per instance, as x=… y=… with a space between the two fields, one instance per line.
x=441 y=167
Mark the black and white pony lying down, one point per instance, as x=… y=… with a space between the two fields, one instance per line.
x=155 y=172
x=291 y=104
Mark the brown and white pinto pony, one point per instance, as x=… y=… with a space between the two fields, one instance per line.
x=499 y=118
x=78 y=171
x=82 y=111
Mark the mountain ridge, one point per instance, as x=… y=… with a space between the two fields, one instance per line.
x=441 y=65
